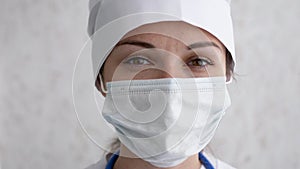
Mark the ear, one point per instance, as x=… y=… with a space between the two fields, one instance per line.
x=228 y=79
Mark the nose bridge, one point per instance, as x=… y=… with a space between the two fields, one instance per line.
x=172 y=50
x=170 y=53
x=171 y=65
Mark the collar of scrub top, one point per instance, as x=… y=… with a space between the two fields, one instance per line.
x=204 y=161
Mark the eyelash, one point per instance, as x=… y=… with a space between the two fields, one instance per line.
x=201 y=59
x=131 y=59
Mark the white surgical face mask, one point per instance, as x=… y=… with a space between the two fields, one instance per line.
x=164 y=121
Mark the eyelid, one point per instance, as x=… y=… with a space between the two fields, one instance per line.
x=209 y=61
x=128 y=58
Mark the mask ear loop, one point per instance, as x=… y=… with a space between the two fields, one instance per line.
x=229 y=81
x=101 y=85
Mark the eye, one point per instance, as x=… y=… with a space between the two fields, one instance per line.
x=137 y=60
x=199 y=62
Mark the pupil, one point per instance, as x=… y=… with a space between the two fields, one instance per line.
x=137 y=61
x=197 y=62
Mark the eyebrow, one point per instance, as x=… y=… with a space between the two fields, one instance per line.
x=149 y=45
x=202 y=44
x=136 y=43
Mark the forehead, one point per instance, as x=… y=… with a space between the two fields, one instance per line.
x=179 y=30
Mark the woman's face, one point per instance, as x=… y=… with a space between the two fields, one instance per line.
x=164 y=50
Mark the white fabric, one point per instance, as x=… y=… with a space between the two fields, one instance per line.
x=164 y=121
x=110 y=20
x=218 y=164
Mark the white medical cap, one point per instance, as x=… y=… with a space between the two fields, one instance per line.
x=110 y=20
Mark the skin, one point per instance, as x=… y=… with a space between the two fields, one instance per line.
x=172 y=49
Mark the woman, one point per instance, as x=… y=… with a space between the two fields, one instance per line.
x=162 y=66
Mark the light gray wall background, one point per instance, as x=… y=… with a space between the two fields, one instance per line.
x=40 y=41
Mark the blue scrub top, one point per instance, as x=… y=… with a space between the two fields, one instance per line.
x=201 y=157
